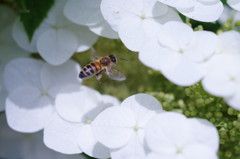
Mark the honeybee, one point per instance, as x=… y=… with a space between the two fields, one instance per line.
x=100 y=65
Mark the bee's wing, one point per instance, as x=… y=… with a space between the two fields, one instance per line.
x=115 y=74
x=93 y=55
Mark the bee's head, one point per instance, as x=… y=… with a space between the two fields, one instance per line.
x=113 y=58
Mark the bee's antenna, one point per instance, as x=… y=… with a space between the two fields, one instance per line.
x=124 y=59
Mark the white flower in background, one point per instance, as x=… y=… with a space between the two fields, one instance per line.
x=137 y=20
x=228 y=43
x=15 y=145
x=223 y=78
x=235 y=4
x=228 y=14
x=32 y=86
x=70 y=132
x=88 y=13
x=57 y=38
x=122 y=128
x=179 y=53
x=9 y=49
x=201 y=10
x=171 y=135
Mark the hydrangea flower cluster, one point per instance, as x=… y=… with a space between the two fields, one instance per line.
x=193 y=59
x=9 y=49
x=32 y=87
x=103 y=128
x=57 y=38
x=27 y=146
x=234 y=4
x=49 y=96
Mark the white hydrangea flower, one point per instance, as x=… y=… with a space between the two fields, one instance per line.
x=171 y=135
x=57 y=38
x=32 y=86
x=88 y=13
x=9 y=49
x=201 y=10
x=235 y=4
x=227 y=14
x=122 y=128
x=223 y=78
x=136 y=21
x=228 y=43
x=70 y=132
x=28 y=146
x=179 y=53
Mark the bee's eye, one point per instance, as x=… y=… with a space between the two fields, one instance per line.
x=113 y=58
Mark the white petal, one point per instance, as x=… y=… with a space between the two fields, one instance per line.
x=166 y=130
x=104 y=29
x=223 y=42
x=157 y=57
x=90 y=145
x=76 y=104
x=22 y=72
x=142 y=104
x=86 y=38
x=27 y=110
x=223 y=75
x=234 y=101
x=234 y=4
x=179 y=3
x=61 y=135
x=33 y=147
x=185 y=73
x=114 y=10
x=133 y=150
x=114 y=126
x=83 y=12
x=170 y=15
x=208 y=2
x=152 y=8
x=199 y=152
x=175 y=35
x=57 y=46
x=205 y=13
x=108 y=100
x=202 y=46
x=55 y=77
x=219 y=84
x=131 y=32
x=21 y=38
x=154 y=155
x=111 y=12
x=205 y=133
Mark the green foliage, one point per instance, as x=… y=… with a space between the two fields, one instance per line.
x=192 y=101
x=32 y=13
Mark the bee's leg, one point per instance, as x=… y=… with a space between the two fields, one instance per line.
x=98 y=76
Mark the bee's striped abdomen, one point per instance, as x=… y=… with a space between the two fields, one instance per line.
x=90 y=69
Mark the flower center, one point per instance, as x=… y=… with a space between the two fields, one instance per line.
x=181 y=51
x=233 y=78
x=88 y=121
x=179 y=150
x=56 y=27
x=136 y=128
x=44 y=92
x=143 y=16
